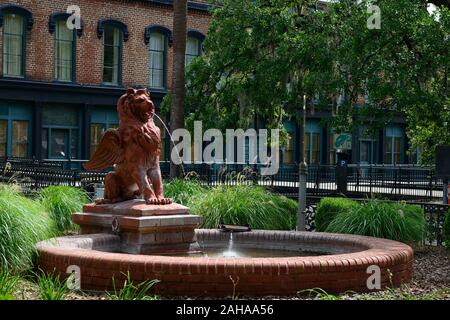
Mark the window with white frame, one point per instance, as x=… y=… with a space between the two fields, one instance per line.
x=64 y=52
x=158 y=53
x=13 y=45
x=192 y=49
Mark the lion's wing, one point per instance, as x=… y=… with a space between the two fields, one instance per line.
x=108 y=152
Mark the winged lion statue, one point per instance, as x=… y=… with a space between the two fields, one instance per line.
x=133 y=150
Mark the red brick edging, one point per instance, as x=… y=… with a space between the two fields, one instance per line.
x=186 y=276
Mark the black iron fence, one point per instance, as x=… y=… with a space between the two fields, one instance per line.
x=411 y=183
x=417 y=185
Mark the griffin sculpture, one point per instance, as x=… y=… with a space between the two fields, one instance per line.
x=134 y=150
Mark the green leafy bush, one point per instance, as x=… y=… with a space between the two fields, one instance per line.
x=182 y=191
x=381 y=219
x=61 y=202
x=23 y=223
x=329 y=208
x=447 y=230
x=245 y=205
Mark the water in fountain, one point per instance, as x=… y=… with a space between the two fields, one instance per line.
x=171 y=139
x=230 y=253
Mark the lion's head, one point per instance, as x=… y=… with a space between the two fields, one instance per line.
x=136 y=104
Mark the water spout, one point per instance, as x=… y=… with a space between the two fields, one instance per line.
x=230 y=253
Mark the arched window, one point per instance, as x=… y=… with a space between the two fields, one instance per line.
x=15 y=21
x=193 y=45
x=65 y=46
x=114 y=33
x=159 y=39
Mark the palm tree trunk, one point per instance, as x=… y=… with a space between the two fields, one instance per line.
x=178 y=81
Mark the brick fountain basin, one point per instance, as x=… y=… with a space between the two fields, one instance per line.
x=342 y=267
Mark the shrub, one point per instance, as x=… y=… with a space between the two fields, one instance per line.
x=61 y=202
x=182 y=191
x=245 y=205
x=23 y=223
x=447 y=230
x=381 y=219
x=329 y=208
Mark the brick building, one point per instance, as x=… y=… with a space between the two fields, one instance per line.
x=59 y=87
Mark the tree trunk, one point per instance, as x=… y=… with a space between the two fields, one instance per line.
x=178 y=81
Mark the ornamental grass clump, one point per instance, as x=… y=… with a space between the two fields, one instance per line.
x=51 y=287
x=396 y=221
x=61 y=202
x=131 y=291
x=23 y=223
x=8 y=284
x=329 y=208
x=183 y=191
x=245 y=205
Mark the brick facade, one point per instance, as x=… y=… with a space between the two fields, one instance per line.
x=30 y=98
x=89 y=49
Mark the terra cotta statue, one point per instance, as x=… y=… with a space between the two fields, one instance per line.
x=134 y=150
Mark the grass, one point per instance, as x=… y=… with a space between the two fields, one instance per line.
x=129 y=291
x=23 y=223
x=7 y=285
x=61 y=202
x=319 y=294
x=245 y=205
x=239 y=205
x=183 y=191
x=380 y=219
x=51 y=287
x=329 y=208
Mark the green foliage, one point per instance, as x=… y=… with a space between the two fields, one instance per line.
x=329 y=208
x=133 y=292
x=51 y=287
x=182 y=191
x=7 y=285
x=262 y=56
x=23 y=223
x=61 y=202
x=447 y=230
x=319 y=294
x=245 y=205
x=381 y=219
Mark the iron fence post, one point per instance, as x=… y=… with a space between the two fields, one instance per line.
x=301 y=218
x=445 y=186
x=431 y=185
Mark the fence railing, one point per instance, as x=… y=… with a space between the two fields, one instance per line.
x=390 y=182
x=416 y=185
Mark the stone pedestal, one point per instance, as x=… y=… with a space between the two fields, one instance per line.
x=143 y=229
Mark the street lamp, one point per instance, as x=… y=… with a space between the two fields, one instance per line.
x=303 y=172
